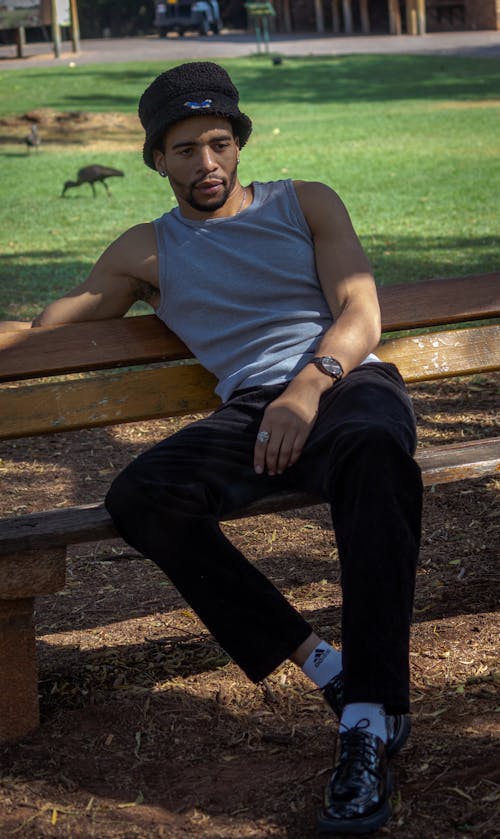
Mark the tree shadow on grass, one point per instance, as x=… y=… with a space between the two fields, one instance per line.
x=30 y=280
x=369 y=78
x=396 y=258
x=314 y=79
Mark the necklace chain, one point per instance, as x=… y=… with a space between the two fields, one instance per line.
x=242 y=202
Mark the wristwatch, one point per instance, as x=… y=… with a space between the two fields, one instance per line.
x=329 y=365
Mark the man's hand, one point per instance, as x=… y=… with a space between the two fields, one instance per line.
x=288 y=421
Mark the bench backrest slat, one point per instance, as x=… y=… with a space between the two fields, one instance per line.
x=434 y=302
x=91 y=402
x=439 y=355
x=31 y=353
x=127 y=396
x=79 y=347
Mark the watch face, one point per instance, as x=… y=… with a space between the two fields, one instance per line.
x=330 y=366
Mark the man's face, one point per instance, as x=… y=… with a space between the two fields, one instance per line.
x=200 y=158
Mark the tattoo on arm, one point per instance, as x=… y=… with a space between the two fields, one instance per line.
x=146 y=292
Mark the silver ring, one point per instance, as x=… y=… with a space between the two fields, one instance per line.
x=263 y=436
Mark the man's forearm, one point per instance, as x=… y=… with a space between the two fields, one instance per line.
x=350 y=339
x=14 y=325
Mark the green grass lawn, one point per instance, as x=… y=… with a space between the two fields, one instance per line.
x=409 y=142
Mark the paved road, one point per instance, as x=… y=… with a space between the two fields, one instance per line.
x=231 y=44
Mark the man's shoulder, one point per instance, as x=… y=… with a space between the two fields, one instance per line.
x=132 y=249
x=138 y=233
x=317 y=195
x=313 y=187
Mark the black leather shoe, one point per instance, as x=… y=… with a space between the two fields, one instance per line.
x=333 y=692
x=398 y=725
x=398 y=731
x=357 y=796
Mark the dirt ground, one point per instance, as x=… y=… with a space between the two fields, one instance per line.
x=82 y=129
x=149 y=730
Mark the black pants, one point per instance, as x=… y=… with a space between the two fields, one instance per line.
x=168 y=502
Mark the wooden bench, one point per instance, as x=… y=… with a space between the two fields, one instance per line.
x=56 y=379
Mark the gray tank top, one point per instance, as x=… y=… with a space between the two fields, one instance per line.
x=242 y=292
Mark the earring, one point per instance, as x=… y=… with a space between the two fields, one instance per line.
x=162 y=174
x=238 y=159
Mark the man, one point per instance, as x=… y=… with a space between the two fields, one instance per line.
x=270 y=288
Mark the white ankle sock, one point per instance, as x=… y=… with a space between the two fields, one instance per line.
x=323 y=664
x=367 y=716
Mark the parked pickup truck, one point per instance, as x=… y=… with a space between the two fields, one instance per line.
x=201 y=16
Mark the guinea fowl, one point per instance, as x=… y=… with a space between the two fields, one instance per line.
x=93 y=174
x=33 y=139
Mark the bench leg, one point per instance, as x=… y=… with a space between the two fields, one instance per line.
x=18 y=669
x=22 y=577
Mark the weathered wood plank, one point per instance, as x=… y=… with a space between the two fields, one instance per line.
x=440 y=302
x=18 y=670
x=91 y=522
x=32 y=573
x=439 y=355
x=55 y=528
x=105 y=400
x=459 y=461
x=78 y=347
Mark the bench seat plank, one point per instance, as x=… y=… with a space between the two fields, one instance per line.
x=128 y=396
x=78 y=347
x=91 y=522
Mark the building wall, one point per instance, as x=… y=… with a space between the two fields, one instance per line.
x=449 y=15
x=442 y=15
x=483 y=14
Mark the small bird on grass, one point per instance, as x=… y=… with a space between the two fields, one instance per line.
x=93 y=174
x=33 y=139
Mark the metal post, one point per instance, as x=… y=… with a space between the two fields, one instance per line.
x=287 y=16
x=56 y=30
x=335 y=17
x=75 y=25
x=411 y=18
x=421 y=17
x=365 y=17
x=258 y=37
x=265 y=30
x=346 y=7
x=20 y=41
x=394 y=17
x=318 y=12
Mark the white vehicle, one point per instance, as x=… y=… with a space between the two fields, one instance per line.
x=202 y=16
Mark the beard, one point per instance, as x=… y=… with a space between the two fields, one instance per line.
x=209 y=205
x=216 y=205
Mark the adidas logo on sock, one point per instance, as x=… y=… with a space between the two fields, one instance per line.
x=319 y=656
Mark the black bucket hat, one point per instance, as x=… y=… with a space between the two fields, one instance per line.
x=188 y=90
